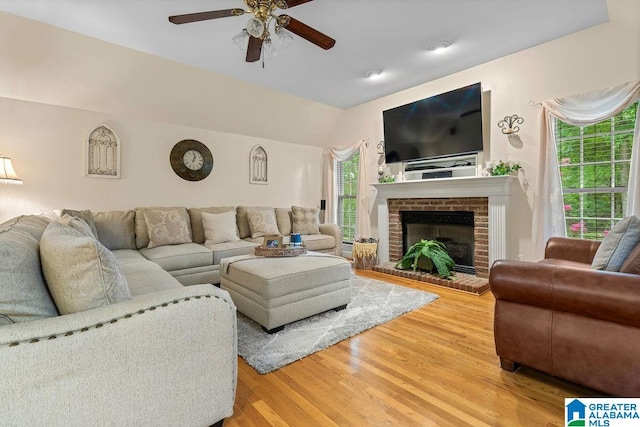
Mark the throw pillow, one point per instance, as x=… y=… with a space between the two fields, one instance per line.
x=116 y=229
x=305 y=220
x=283 y=219
x=632 y=263
x=262 y=223
x=167 y=227
x=77 y=224
x=142 y=235
x=24 y=295
x=617 y=246
x=195 y=214
x=86 y=216
x=219 y=228
x=244 y=230
x=81 y=273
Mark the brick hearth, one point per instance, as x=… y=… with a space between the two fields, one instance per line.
x=463 y=282
x=478 y=205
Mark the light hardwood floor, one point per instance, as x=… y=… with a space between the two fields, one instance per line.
x=435 y=366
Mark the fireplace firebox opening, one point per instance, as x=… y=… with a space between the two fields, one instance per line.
x=453 y=228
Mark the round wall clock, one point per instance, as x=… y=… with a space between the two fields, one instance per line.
x=191 y=160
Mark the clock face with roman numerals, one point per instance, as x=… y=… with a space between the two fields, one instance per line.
x=191 y=160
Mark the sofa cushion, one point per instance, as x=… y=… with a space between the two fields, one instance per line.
x=632 y=263
x=318 y=242
x=262 y=222
x=80 y=271
x=229 y=249
x=305 y=220
x=116 y=229
x=220 y=228
x=85 y=215
x=283 y=219
x=142 y=234
x=143 y=276
x=618 y=244
x=244 y=230
x=195 y=214
x=178 y=257
x=167 y=227
x=24 y=295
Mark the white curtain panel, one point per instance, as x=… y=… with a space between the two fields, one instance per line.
x=363 y=214
x=578 y=110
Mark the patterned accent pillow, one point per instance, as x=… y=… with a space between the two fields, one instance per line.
x=618 y=245
x=632 y=263
x=81 y=273
x=167 y=227
x=262 y=223
x=305 y=220
x=219 y=228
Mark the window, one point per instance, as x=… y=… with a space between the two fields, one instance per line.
x=347 y=179
x=594 y=168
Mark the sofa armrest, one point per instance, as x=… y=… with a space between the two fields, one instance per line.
x=604 y=295
x=167 y=358
x=335 y=231
x=578 y=250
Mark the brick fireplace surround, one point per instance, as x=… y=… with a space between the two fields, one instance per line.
x=486 y=197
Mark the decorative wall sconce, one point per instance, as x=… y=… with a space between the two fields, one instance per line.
x=508 y=125
x=7 y=174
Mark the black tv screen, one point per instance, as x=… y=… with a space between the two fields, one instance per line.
x=443 y=125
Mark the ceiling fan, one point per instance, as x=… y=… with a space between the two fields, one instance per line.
x=257 y=30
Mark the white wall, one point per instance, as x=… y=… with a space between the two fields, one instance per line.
x=46 y=146
x=595 y=58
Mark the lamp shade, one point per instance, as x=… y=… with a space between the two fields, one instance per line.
x=7 y=174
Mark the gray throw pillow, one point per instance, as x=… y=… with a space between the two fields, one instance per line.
x=305 y=220
x=81 y=273
x=24 y=295
x=167 y=227
x=85 y=215
x=262 y=223
x=618 y=245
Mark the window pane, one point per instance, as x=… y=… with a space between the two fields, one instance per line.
x=347 y=177
x=594 y=164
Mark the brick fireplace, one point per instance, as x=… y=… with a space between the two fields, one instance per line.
x=478 y=205
x=487 y=197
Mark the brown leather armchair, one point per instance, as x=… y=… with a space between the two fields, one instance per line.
x=561 y=317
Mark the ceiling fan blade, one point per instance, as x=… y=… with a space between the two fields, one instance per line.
x=203 y=16
x=254 y=49
x=292 y=3
x=308 y=33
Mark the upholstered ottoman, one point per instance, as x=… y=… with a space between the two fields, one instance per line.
x=277 y=291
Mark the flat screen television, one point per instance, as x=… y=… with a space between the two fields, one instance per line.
x=443 y=125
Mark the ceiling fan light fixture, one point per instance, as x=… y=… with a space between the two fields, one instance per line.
x=440 y=46
x=285 y=37
x=240 y=39
x=255 y=27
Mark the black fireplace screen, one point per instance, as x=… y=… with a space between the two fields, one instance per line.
x=453 y=228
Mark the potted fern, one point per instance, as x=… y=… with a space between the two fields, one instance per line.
x=427 y=255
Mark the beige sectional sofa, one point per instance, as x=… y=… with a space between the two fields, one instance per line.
x=155 y=352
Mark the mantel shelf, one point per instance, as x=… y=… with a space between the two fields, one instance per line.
x=483 y=186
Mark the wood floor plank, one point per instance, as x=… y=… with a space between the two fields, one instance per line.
x=433 y=366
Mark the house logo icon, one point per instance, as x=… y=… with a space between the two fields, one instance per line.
x=576 y=413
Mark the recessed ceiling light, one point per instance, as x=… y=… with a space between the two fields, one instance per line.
x=439 y=47
x=374 y=74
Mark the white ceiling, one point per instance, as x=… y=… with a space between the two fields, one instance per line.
x=389 y=35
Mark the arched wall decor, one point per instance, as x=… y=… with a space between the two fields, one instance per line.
x=259 y=165
x=102 y=153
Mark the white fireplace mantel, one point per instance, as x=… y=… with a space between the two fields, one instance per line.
x=497 y=189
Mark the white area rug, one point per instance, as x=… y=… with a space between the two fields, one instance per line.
x=373 y=302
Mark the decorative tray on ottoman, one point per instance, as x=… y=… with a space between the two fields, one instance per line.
x=286 y=251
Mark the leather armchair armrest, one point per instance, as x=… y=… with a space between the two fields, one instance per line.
x=578 y=250
x=604 y=295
